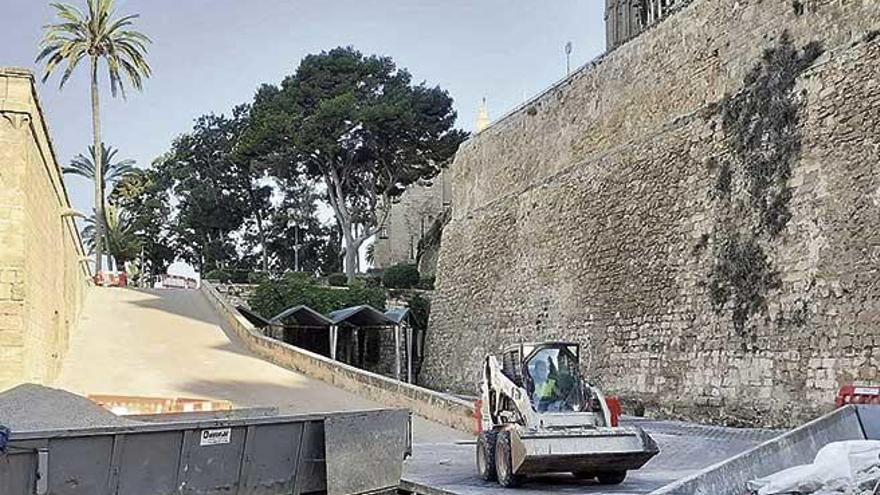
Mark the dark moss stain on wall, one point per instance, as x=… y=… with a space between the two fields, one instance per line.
x=752 y=192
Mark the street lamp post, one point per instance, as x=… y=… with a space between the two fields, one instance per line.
x=568 y=48
x=296 y=248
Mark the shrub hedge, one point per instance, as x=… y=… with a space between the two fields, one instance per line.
x=426 y=283
x=293 y=289
x=401 y=276
x=227 y=276
x=337 y=280
x=421 y=310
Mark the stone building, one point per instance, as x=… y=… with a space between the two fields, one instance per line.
x=414 y=226
x=411 y=219
x=622 y=209
x=43 y=276
x=625 y=19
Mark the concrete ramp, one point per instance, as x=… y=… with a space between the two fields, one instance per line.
x=170 y=343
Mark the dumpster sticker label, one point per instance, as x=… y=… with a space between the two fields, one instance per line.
x=215 y=437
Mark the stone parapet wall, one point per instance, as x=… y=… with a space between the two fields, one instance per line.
x=238 y=294
x=434 y=406
x=42 y=280
x=594 y=217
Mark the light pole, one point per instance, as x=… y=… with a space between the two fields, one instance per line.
x=296 y=247
x=568 y=48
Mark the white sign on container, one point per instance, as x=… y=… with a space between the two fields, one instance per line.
x=215 y=437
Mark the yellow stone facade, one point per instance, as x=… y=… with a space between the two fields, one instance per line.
x=43 y=279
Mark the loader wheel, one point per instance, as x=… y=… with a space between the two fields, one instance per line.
x=611 y=477
x=504 y=462
x=486 y=455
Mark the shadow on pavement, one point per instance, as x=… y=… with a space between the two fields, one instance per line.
x=188 y=303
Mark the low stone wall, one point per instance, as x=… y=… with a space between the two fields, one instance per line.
x=237 y=294
x=434 y=406
x=43 y=280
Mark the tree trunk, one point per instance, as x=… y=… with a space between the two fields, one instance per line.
x=351 y=253
x=262 y=233
x=99 y=172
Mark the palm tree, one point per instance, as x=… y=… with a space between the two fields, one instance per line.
x=114 y=171
x=371 y=254
x=121 y=240
x=99 y=36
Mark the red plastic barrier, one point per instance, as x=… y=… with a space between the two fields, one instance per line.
x=851 y=394
x=615 y=409
x=478 y=415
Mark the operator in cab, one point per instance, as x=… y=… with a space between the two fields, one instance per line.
x=545 y=396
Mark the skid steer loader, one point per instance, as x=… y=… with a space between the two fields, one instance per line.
x=538 y=416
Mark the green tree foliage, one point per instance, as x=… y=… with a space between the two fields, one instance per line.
x=114 y=170
x=222 y=188
x=144 y=197
x=273 y=297
x=346 y=130
x=97 y=35
x=295 y=223
x=120 y=240
x=212 y=198
x=358 y=126
x=401 y=276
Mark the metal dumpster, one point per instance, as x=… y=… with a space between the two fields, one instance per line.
x=337 y=453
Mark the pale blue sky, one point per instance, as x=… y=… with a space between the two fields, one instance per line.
x=209 y=55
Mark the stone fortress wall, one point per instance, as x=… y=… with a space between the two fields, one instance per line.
x=623 y=209
x=42 y=279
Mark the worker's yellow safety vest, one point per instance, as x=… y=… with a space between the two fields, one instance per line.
x=546 y=390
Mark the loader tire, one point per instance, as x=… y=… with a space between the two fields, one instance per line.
x=486 y=455
x=611 y=477
x=504 y=462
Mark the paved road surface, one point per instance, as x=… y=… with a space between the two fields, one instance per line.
x=684 y=449
x=170 y=343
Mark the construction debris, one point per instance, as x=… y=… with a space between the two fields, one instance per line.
x=840 y=468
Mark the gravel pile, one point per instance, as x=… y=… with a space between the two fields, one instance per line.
x=32 y=407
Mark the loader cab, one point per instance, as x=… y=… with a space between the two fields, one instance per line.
x=550 y=374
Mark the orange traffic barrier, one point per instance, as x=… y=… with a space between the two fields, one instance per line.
x=851 y=394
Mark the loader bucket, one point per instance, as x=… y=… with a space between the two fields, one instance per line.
x=581 y=450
